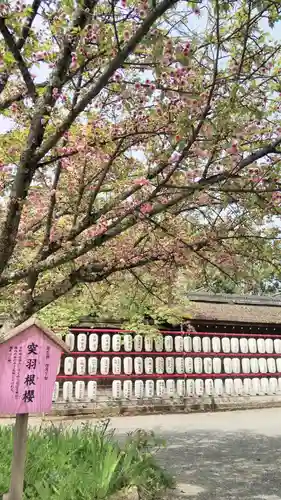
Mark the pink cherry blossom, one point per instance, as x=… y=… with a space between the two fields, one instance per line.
x=233 y=150
x=146 y=208
x=141 y=182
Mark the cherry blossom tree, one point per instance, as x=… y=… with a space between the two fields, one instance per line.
x=142 y=134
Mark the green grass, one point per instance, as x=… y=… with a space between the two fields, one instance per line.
x=85 y=464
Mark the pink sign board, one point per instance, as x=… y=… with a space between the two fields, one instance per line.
x=29 y=363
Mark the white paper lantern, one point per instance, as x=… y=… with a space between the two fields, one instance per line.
x=187 y=344
x=148 y=343
x=225 y=343
x=149 y=388
x=92 y=366
x=264 y=386
x=170 y=388
x=218 y=387
x=208 y=365
x=235 y=362
x=271 y=365
x=179 y=365
x=252 y=343
x=139 y=389
x=254 y=365
x=247 y=386
x=238 y=386
x=116 y=342
x=159 y=343
x=104 y=366
x=55 y=395
x=160 y=388
x=168 y=343
x=159 y=365
x=253 y=388
x=181 y=388
x=227 y=365
x=58 y=368
x=229 y=386
x=128 y=389
x=92 y=390
x=81 y=366
x=246 y=365
x=148 y=365
x=93 y=342
x=138 y=365
x=70 y=341
x=128 y=365
x=278 y=364
x=116 y=389
x=216 y=344
x=234 y=345
x=199 y=387
x=279 y=384
x=197 y=345
x=188 y=364
x=269 y=346
x=179 y=343
x=138 y=342
x=261 y=345
x=273 y=385
x=217 y=365
x=81 y=342
x=67 y=391
x=277 y=346
x=209 y=387
x=198 y=365
x=68 y=365
x=256 y=388
x=244 y=345
x=128 y=343
x=116 y=365
x=262 y=365
x=170 y=364
x=105 y=342
x=80 y=390
x=206 y=344
x=190 y=387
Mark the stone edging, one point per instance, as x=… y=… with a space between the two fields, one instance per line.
x=196 y=405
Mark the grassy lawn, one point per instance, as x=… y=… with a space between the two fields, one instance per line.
x=85 y=464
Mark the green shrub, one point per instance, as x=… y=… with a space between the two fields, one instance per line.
x=85 y=464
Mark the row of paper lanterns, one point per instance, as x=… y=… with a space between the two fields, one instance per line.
x=148 y=365
x=171 y=343
x=80 y=391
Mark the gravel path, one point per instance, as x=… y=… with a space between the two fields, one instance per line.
x=225 y=456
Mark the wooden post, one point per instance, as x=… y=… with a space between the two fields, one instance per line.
x=32 y=352
x=19 y=455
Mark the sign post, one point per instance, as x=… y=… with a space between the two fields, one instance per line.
x=29 y=358
x=18 y=461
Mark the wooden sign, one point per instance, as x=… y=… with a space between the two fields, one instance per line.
x=29 y=358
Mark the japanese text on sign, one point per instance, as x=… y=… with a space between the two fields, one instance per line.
x=27 y=379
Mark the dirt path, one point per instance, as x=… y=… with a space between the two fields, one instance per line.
x=225 y=456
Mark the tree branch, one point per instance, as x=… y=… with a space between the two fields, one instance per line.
x=11 y=44
x=28 y=163
x=90 y=273
x=27 y=26
x=105 y=77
